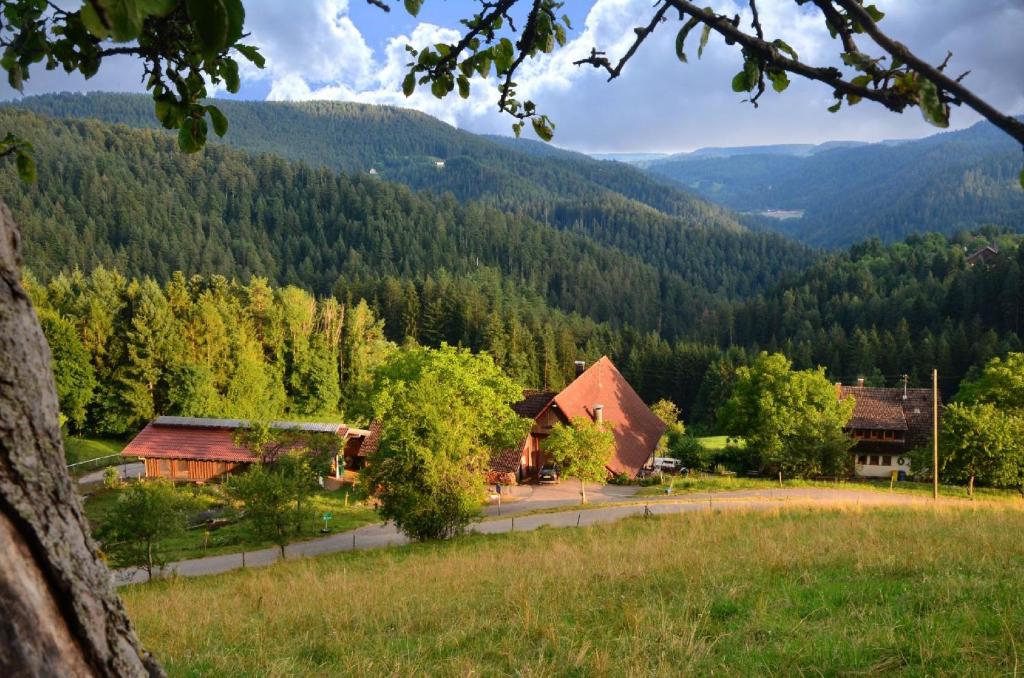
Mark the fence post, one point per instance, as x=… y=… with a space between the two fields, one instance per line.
x=578 y=516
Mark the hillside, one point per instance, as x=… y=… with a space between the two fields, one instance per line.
x=944 y=183
x=125 y=198
x=403 y=146
x=726 y=593
x=884 y=311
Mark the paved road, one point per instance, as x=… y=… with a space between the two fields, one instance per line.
x=130 y=470
x=375 y=536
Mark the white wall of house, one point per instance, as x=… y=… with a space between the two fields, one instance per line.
x=879 y=465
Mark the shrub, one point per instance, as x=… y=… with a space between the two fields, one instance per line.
x=111 y=478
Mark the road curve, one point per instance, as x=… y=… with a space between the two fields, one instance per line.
x=376 y=536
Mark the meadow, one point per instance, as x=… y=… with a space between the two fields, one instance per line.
x=910 y=591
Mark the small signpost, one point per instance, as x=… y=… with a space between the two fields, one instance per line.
x=326 y=517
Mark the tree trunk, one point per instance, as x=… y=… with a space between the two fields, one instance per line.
x=583 y=492
x=149 y=561
x=970 y=486
x=60 y=613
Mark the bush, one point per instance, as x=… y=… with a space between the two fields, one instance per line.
x=111 y=478
x=620 y=479
x=689 y=451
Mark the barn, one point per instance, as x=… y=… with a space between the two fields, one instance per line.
x=194 y=449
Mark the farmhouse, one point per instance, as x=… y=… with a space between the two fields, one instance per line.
x=599 y=393
x=198 y=449
x=887 y=423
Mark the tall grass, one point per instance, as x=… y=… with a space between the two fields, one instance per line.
x=908 y=591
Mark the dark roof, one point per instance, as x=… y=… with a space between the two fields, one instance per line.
x=637 y=430
x=887 y=409
x=507 y=460
x=983 y=253
x=533 y=403
x=206 y=422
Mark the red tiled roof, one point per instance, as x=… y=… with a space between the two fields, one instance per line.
x=205 y=439
x=372 y=441
x=637 y=430
x=187 y=442
x=507 y=460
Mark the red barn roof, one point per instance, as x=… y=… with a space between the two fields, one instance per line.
x=206 y=439
x=637 y=430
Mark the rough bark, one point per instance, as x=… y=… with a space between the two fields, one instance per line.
x=60 y=615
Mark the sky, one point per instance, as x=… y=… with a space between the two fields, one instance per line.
x=347 y=50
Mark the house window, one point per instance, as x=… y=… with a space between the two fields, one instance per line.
x=164 y=468
x=887 y=460
x=862 y=459
x=874 y=460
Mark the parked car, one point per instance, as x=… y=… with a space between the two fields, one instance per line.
x=669 y=465
x=549 y=473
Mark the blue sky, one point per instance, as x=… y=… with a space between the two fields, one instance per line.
x=348 y=50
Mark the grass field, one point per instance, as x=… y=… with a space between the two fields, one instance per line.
x=682 y=485
x=785 y=592
x=77 y=449
x=719 y=442
x=238 y=536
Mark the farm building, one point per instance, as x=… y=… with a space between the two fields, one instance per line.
x=600 y=393
x=199 y=450
x=887 y=423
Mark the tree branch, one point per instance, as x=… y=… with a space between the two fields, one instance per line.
x=899 y=51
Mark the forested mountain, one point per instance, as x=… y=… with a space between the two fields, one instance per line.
x=127 y=199
x=944 y=183
x=883 y=311
x=404 y=146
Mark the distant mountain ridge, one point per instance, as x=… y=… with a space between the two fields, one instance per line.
x=405 y=146
x=945 y=183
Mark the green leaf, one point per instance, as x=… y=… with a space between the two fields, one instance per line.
x=780 y=81
x=876 y=14
x=220 y=122
x=409 y=84
x=236 y=20
x=156 y=7
x=92 y=22
x=540 y=126
x=463 y=82
x=783 y=47
x=229 y=69
x=413 y=6
x=704 y=35
x=503 y=53
x=438 y=89
x=252 y=54
x=26 y=167
x=834 y=108
x=211 y=22
x=192 y=135
x=122 y=19
x=932 y=108
x=681 y=38
x=739 y=82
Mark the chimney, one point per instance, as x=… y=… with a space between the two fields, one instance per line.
x=581 y=367
x=599 y=413
x=860 y=382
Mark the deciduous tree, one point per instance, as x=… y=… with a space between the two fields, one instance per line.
x=446 y=411
x=146 y=514
x=582 y=450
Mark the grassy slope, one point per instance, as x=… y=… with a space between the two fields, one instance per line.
x=710 y=483
x=238 y=536
x=783 y=592
x=78 y=449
